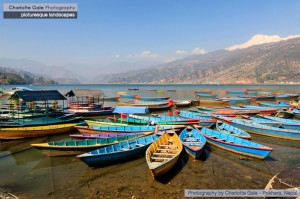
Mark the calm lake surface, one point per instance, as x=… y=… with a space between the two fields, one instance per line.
x=27 y=173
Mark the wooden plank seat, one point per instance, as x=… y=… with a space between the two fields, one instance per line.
x=166 y=154
x=167 y=150
x=167 y=146
x=160 y=158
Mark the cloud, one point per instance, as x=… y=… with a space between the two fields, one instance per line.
x=261 y=39
x=117 y=56
x=181 y=52
x=198 y=51
x=147 y=54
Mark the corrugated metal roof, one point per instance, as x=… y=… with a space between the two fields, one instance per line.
x=85 y=93
x=30 y=96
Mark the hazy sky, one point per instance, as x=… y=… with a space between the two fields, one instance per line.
x=109 y=31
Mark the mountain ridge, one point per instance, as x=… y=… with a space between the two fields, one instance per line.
x=265 y=63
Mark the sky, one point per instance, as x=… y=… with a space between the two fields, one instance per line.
x=112 y=31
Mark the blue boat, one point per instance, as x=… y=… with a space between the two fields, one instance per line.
x=236 y=92
x=191 y=114
x=296 y=113
x=229 y=129
x=286 y=96
x=235 y=144
x=204 y=95
x=193 y=142
x=130 y=128
x=260 y=129
x=204 y=119
x=118 y=152
x=285 y=123
x=264 y=121
x=278 y=105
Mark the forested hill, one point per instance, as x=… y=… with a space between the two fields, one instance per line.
x=11 y=76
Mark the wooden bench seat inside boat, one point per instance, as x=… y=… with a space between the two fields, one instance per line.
x=166 y=154
x=159 y=158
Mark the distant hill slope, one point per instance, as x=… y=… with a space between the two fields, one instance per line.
x=267 y=63
x=11 y=76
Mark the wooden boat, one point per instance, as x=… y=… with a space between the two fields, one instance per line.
x=204 y=95
x=103 y=135
x=234 y=100
x=133 y=89
x=263 y=121
x=92 y=123
x=295 y=103
x=117 y=152
x=164 y=119
x=143 y=103
x=152 y=98
x=163 y=153
x=203 y=91
x=236 y=92
x=229 y=129
x=193 y=114
x=127 y=96
x=150 y=122
x=40 y=120
x=296 y=113
x=203 y=119
x=35 y=131
x=161 y=107
x=160 y=91
x=278 y=105
x=263 y=129
x=286 y=96
x=215 y=102
x=235 y=144
x=261 y=110
x=92 y=112
x=91 y=130
x=128 y=129
x=171 y=90
x=193 y=142
x=285 y=123
x=76 y=147
x=183 y=103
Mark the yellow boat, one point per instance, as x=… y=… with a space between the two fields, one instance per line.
x=213 y=102
x=163 y=153
x=35 y=131
x=93 y=123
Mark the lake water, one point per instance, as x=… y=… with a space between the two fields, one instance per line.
x=27 y=173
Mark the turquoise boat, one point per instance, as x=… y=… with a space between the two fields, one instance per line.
x=193 y=142
x=285 y=123
x=264 y=121
x=75 y=147
x=260 y=129
x=229 y=129
x=128 y=129
x=118 y=152
x=235 y=144
x=278 y=105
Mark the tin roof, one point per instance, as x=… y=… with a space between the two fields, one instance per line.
x=30 y=96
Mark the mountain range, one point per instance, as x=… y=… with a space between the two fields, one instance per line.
x=262 y=59
x=272 y=62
